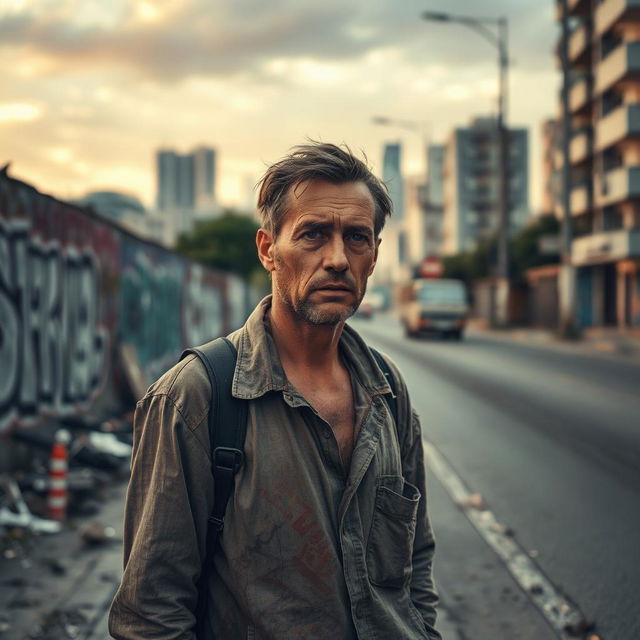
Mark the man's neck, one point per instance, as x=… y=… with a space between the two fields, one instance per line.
x=302 y=345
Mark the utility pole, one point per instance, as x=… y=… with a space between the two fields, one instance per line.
x=567 y=280
x=498 y=38
x=502 y=288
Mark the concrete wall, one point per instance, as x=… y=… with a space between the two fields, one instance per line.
x=89 y=313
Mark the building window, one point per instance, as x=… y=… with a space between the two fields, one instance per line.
x=608 y=43
x=611 y=219
x=610 y=100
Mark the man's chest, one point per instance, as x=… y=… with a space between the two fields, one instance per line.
x=337 y=410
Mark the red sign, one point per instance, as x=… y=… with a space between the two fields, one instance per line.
x=431 y=268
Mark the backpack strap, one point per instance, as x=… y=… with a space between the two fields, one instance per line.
x=227 y=427
x=227 y=431
x=391 y=398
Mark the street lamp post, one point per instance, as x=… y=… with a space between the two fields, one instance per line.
x=568 y=327
x=498 y=38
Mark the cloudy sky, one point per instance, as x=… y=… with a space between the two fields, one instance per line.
x=91 y=88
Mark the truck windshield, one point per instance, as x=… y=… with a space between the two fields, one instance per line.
x=442 y=293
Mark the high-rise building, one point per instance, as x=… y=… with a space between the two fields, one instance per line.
x=604 y=110
x=167 y=179
x=393 y=257
x=204 y=177
x=186 y=187
x=471 y=184
x=551 y=174
x=392 y=177
x=414 y=219
x=434 y=201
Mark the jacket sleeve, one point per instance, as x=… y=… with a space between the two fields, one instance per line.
x=423 y=592
x=168 y=501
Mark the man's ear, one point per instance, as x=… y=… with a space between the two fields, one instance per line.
x=265 y=245
x=375 y=255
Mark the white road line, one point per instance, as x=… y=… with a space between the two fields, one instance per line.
x=554 y=606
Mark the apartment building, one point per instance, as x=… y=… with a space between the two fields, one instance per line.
x=604 y=109
x=471 y=184
x=551 y=166
x=433 y=201
x=186 y=185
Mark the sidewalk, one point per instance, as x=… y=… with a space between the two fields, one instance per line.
x=608 y=341
x=59 y=587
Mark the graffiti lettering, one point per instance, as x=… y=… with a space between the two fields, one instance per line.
x=203 y=309
x=151 y=305
x=52 y=349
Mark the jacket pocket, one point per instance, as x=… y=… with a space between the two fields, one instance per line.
x=393 y=530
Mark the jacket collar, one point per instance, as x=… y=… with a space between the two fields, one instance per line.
x=259 y=370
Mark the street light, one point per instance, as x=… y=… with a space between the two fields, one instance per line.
x=496 y=34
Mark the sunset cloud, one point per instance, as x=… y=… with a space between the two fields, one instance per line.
x=113 y=81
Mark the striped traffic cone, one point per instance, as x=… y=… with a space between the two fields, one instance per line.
x=57 y=498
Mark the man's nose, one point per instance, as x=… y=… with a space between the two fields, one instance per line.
x=335 y=256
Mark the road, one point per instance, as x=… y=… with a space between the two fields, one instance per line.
x=550 y=437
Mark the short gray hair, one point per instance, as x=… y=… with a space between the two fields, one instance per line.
x=317 y=161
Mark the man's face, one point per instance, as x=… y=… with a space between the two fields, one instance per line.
x=325 y=250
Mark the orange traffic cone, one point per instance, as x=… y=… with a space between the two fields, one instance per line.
x=57 y=498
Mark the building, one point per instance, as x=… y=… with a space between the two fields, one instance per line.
x=393 y=257
x=434 y=201
x=413 y=224
x=471 y=185
x=204 y=178
x=392 y=177
x=551 y=166
x=186 y=186
x=604 y=109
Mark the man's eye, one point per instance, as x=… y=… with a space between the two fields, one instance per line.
x=312 y=234
x=359 y=237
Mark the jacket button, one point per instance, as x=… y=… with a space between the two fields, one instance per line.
x=327 y=433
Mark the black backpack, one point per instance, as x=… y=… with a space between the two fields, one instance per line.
x=227 y=431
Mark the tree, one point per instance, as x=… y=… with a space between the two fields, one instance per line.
x=227 y=243
x=523 y=250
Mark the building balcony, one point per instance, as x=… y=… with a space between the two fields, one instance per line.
x=622 y=123
x=621 y=64
x=611 y=12
x=578 y=43
x=580 y=146
x=579 y=202
x=579 y=95
x=606 y=246
x=617 y=186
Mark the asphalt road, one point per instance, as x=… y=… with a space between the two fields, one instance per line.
x=551 y=439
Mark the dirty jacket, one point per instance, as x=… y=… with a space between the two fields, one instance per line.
x=310 y=550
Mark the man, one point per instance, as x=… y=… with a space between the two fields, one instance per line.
x=326 y=533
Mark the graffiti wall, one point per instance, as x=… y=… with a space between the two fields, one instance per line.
x=82 y=302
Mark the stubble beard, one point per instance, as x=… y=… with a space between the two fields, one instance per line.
x=310 y=312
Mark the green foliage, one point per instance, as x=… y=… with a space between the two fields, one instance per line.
x=227 y=243
x=524 y=249
x=523 y=254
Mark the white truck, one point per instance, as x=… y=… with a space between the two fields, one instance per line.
x=437 y=305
